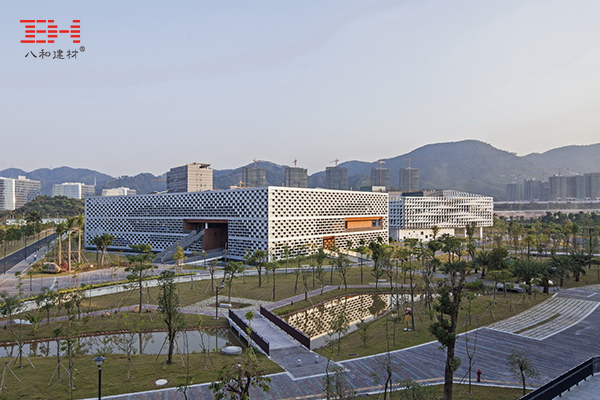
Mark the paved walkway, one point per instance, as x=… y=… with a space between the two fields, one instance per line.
x=209 y=304
x=586 y=390
x=297 y=360
x=552 y=355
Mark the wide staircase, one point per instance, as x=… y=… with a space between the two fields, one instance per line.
x=167 y=254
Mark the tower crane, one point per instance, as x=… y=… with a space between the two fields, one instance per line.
x=409 y=159
x=560 y=170
x=335 y=161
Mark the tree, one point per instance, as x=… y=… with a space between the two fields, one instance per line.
x=342 y=266
x=60 y=231
x=482 y=260
x=336 y=385
x=258 y=259
x=235 y=380
x=338 y=327
x=521 y=367
x=71 y=222
x=168 y=306
x=35 y=219
x=231 y=269
x=380 y=258
x=3 y=240
x=527 y=270
x=562 y=266
x=45 y=300
x=10 y=305
x=361 y=250
x=581 y=263
x=103 y=242
x=179 y=256
x=272 y=266
x=80 y=220
x=363 y=332
x=286 y=253
x=444 y=329
x=139 y=267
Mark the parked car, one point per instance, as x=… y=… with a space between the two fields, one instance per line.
x=510 y=287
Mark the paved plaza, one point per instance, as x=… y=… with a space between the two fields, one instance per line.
x=553 y=349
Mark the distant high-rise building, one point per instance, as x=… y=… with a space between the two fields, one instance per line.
x=296 y=177
x=15 y=193
x=336 y=178
x=558 y=188
x=532 y=190
x=576 y=187
x=121 y=191
x=195 y=177
x=7 y=194
x=73 y=190
x=592 y=185
x=254 y=177
x=381 y=177
x=409 y=180
x=514 y=191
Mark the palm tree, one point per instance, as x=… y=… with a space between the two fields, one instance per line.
x=561 y=266
x=80 y=220
x=482 y=260
x=34 y=218
x=581 y=263
x=106 y=240
x=547 y=273
x=71 y=222
x=527 y=270
x=3 y=240
x=60 y=230
x=529 y=241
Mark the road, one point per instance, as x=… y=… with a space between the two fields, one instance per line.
x=15 y=258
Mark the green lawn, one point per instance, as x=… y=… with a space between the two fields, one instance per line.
x=35 y=381
x=483 y=312
x=113 y=323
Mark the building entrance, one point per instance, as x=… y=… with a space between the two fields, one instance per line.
x=215 y=232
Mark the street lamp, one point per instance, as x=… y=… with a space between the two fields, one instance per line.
x=219 y=287
x=98 y=360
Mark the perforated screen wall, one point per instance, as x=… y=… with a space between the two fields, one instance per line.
x=445 y=209
x=259 y=218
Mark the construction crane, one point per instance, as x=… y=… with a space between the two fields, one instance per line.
x=409 y=159
x=560 y=170
x=335 y=161
x=295 y=161
x=255 y=162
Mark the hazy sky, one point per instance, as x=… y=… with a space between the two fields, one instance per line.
x=162 y=83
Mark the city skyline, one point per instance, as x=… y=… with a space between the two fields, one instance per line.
x=160 y=85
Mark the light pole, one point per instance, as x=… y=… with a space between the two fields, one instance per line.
x=98 y=360
x=219 y=287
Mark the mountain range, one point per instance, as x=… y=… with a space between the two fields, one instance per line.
x=468 y=165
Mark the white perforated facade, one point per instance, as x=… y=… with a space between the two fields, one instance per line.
x=442 y=208
x=267 y=218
